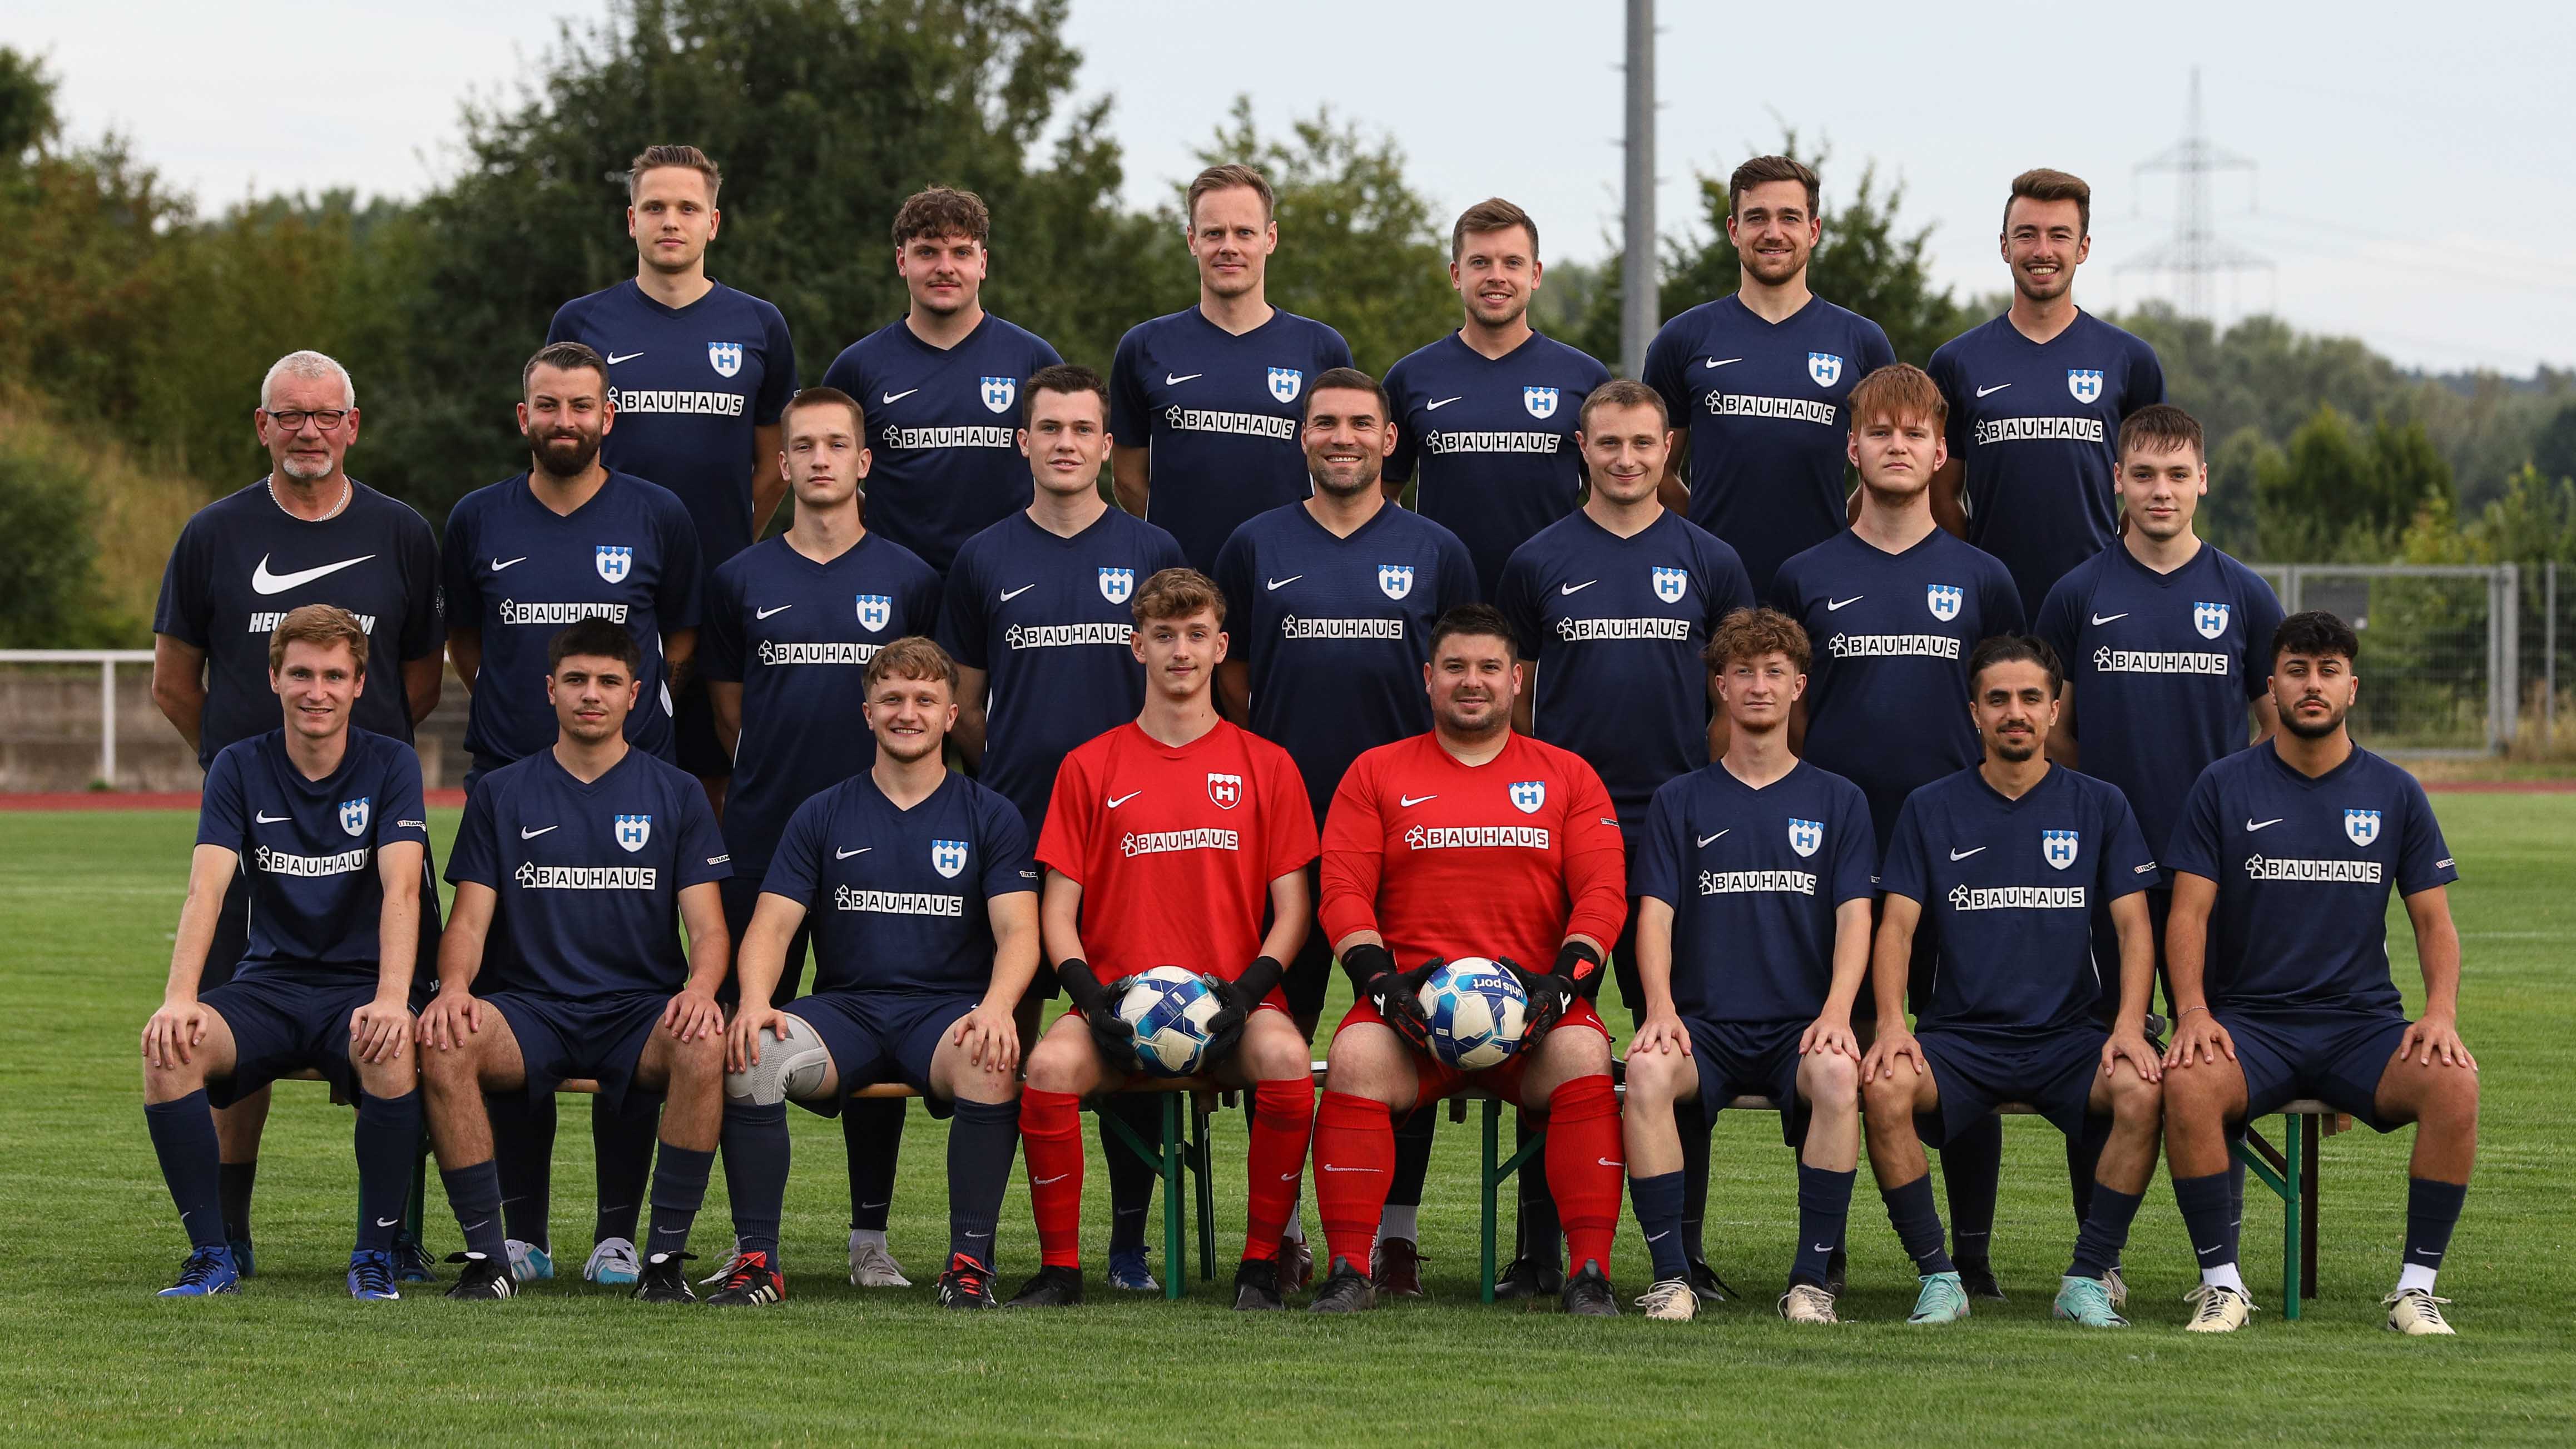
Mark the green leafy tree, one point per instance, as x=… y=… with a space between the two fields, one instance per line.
x=2553 y=450
x=48 y=555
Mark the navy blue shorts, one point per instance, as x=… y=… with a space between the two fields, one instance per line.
x=597 y=1037
x=1758 y=1059
x=284 y=1021
x=1977 y=1072
x=2333 y=1055
x=880 y=1036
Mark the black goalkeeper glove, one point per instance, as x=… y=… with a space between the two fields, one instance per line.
x=1238 y=999
x=1113 y=1034
x=1397 y=995
x=1580 y=964
x=1549 y=995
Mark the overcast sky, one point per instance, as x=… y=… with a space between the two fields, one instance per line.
x=2414 y=184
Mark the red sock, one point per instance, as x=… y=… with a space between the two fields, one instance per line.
x=1354 y=1166
x=1283 y=1117
x=1585 y=1166
x=1051 y=1139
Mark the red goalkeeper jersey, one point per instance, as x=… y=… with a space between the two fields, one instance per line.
x=1502 y=859
x=1175 y=848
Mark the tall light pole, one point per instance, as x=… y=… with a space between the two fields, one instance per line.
x=1637 y=265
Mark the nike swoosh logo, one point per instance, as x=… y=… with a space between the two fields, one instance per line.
x=1705 y=839
x=1606 y=1162
x=1171 y=379
x=1043 y=1181
x=2251 y=826
x=615 y=358
x=1409 y=801
x=1329 y=1168
x=264 y=582
x=840 y=854
x=1723 y=361
x=1824 y=1247
x=1659 y=1237
x=866 y=1206
x=765 y=613
x=1117 y=800
x=497 y=565
x=387 y=1222
x=1010 y=594
x=1437 y=406
x=269 y=819
x=1964 y=854
x=1836 y=605
x=1564 y=589
x=898 y=396
x=2100 y=619
x=1287 y=1177
x=526 y=834
x=1283 y=583
x=1998 y=387
x=469 y=1227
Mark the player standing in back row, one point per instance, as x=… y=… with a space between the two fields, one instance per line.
x=942 y=386
x=1757 y=381
x=1205 y=402
x=2036 y=397
x=1485 y=417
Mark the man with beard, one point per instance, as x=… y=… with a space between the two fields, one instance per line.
x=569 y=539
x=1333 y=599
x=2036 y=397
x=1758 y=380
x=1485 y=417
x=1204 y=402
x=942 y=386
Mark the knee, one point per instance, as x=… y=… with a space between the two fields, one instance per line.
x=1053 y=1067
x=2452 y=1104
x=1655 y=1078
x=1364 y=1061
x=170 y=1083
x=448 y=1071
x=2195 y=1097
x=1889 y=1098
x=1829 y=1079
x=1277 y=1057
x=697 y=1063
x=2135 y=1101
x=1574 y=1052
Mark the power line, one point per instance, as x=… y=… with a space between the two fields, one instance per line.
x=2195 y=255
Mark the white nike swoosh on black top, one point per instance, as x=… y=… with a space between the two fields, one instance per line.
x=269 y=819
x=615 y=358
x=2250 y=824
x=498 y=565
x=840 y=854
x=765 y=613
x=264 y=582
x=1283 y=583
x=1010 y=594
x=1173 y=378
x=526 y=834
x=1964 y=854
x=1998 y=387
x=1705 y=839
x=2101 y=619
x=1434 y=407
x=1564 y=589
x=1723 y=361
x=898 y=396
x=1832 y=605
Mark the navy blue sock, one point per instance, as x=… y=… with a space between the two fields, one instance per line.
x=982 y=1140
x=2209 y=1217
x=474 y=1191
x=1413 y=1164
x=872 y=1136
x=755 y=1168
x=2432 y=1210
x=1692 y=1122
x=1918 y=1225
x=2083 y=1161
x=1824 y=1207
x=679 y=1190
x=1972 y=1171
x=1131 y=1181
x=183 y=1137
x=623 y=1137
x=1658 y=1201
x=233 y=1183
x=1542 y=1232
x=2105 y=1232
x=523 y=1148
x=388 y=1143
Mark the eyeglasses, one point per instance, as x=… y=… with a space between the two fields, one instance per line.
x=293 y=419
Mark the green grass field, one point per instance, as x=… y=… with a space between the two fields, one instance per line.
x=89 y=902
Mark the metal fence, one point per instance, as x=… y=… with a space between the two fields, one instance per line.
x=2441 y=656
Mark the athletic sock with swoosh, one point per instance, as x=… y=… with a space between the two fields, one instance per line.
x=982 y=1138
x=1658 y=1201
x=1585 y=1166
x=872 y=1136
x=1824 y=1209
x=474 y=1192
x=1283 y=1119
x=183 y=1137
x=756 y=1153
x=388 y=1138
x=679 y=1190
x=1051 y=1139
x=1918 y=1225
x=1354 y=1165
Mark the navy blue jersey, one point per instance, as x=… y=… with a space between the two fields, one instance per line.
x=2036 y=427
x=1615 y=626
x=589 y=876
x=243 y=562
x=797 y=636
x=1336 y=630
x=2162 y=666
x=2008 y=889
x=1491 y=440
x=690 y=384
x=1221 y=414
x=1048 y=620
x=1887 y=693
x=1763 y=404
x=1754 y=877
x=308 y=847
x=943 y=430
x=519 y=572
x=899 y=900
x=2303 y=869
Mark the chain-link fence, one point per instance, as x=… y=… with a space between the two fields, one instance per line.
x=2440 y=657
x=2547 y=672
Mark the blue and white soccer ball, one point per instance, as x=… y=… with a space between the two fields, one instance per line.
x=1478 y=1013
x=1170 y=1007
x=793 y=1066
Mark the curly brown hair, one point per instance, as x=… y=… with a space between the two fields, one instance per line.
x=1752 y=633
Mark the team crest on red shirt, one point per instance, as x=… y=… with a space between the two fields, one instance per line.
x=1225 y=790
x=1529 y=795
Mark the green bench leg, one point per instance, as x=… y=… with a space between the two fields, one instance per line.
x=2288 y=1182
x=1169 y=1162
x=1200 y=1168
x=1495 y=1174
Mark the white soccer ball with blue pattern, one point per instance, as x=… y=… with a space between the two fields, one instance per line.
x=1170 y=1007
x=1478 y=1013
